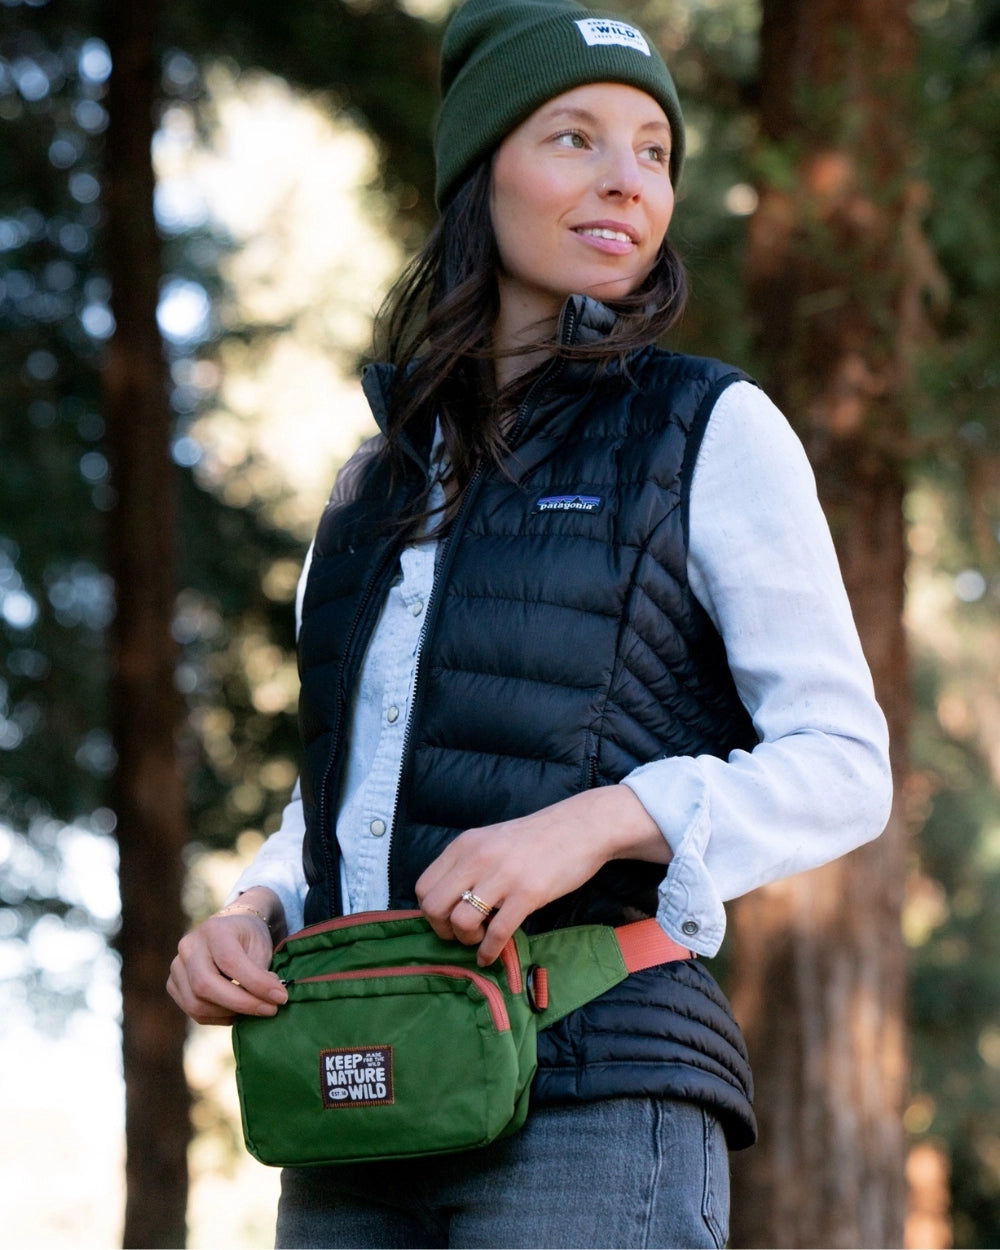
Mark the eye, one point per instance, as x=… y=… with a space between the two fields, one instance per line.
x=571 y=139
x=656 y=152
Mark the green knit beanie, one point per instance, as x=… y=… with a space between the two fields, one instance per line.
x=502 y=59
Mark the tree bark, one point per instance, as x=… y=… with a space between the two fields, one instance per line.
x=819 y=964
x=145 y=714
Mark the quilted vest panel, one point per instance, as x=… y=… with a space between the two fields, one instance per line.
x=563 y=645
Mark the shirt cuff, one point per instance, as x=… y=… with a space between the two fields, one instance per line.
x=690 y=907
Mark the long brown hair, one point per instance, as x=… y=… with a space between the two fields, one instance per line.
x=436 y=327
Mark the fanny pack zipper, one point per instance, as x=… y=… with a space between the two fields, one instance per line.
x=490 y=991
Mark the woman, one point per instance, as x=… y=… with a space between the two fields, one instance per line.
x=574 y=648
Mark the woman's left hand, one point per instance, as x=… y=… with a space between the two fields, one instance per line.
x=518 y=866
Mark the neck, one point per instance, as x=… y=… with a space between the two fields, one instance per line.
x=529 y=339
x=509 y=368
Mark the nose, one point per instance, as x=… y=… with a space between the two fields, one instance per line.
x=621 y=178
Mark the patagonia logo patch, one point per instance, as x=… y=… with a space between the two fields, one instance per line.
x=600 y=30
x=359 y=1076
x=569 y=503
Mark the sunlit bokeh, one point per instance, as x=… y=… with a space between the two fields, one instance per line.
x=311 y=259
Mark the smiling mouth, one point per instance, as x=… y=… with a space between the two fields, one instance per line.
x=600 y=232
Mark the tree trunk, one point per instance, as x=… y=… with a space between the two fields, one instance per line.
x=147 y=793
x=819 y=964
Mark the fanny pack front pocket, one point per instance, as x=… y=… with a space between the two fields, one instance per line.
x=420 y=1056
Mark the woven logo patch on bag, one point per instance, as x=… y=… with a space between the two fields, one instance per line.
x=356 y=1076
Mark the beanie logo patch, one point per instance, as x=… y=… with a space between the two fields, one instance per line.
x=597 y=31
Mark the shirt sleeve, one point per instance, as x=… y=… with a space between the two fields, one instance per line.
x=278 y=864
x=762 y=563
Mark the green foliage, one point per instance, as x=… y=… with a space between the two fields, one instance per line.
x=56 y=600
x=712 y=52
x=955 y=527
x=961 y=90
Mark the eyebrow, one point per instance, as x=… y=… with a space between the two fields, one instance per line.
x=585 y=115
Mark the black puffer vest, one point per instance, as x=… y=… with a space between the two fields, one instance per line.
x=562 y=648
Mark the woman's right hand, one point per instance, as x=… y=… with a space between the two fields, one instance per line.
x=221 y=968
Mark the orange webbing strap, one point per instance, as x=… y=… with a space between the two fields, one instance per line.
x=644 y=945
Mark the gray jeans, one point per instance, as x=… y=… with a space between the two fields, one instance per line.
x=617 y=1173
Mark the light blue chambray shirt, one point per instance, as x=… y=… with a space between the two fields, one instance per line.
x=762 y=563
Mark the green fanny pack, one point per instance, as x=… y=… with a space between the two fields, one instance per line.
x=395 y=1043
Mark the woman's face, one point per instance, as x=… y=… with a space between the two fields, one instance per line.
x=581 y=200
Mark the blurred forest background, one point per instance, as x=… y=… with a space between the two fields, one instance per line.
x=179 y=343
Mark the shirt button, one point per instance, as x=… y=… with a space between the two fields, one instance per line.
x=377 y=827
x=690 y=927
x=392 y=715
x=417 y=607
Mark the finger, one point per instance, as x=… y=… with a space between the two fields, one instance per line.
x=239 y=950
x=471 y=917
x=441 y=924
x=218 y=988
x=499 y=931
x=462 y=860
x=214 y=982
x=437 y=893
x=438 y=904
x=468 y=931
x=251 y=978
x=223 y=999
x=179 y=989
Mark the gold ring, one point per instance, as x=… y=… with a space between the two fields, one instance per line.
x=475 y=901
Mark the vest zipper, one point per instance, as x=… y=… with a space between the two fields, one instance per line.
x=489 y=990
x=527 y=406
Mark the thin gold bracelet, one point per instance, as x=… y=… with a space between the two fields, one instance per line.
x=232 y=908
